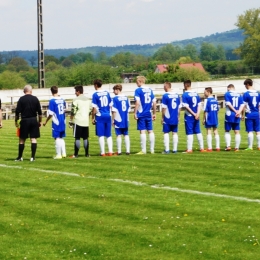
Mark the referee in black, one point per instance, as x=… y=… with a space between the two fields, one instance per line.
x=28 y=108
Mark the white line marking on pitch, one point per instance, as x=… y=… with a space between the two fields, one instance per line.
x=136 y=183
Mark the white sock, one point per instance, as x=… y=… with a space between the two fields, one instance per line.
x=143 y=142
x=258 y=141
x=58 y=146
x=119 y=143
x=152 y=141
x=237 y=140
x=110 y=144
x=189 y=142
x=209 y=141
x=166 y=141
x=63 y=147
x=200 y=140
x=101 y=141
x=227 y=139
x=217 y=139
x=127 y=143
x=250 y=139
x=175 y=140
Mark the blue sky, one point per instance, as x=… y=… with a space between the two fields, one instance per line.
x=81 y=23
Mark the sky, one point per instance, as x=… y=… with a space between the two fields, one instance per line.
x=84 y=23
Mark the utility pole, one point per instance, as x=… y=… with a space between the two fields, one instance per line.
x=41 y=71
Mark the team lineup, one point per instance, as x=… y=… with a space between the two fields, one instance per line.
x=106 y=113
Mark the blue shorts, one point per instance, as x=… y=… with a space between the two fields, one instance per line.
x=192 y=127
x=252 y=125
x=170 y=128
x=103 y=129
x=58 y=134
x=121 y=131
x=144 y=123
x=232 y=126
x=210 y=126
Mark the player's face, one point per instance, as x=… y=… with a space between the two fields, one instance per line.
x=206 y=93
x=186 y=86
x=246 y=86
x=77 y=93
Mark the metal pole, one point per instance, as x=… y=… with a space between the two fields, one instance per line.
x=41 y=71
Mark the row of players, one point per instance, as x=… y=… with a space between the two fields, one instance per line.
x=237 y=108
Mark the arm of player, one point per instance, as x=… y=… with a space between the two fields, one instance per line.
x=154 y=110
x=47 y=119
x=240 y=111
x=94 y=111
x=197 y=115
x=189 y=110
x=1 y=124
x=137 y=104
x=163 y=113
x=204 y=118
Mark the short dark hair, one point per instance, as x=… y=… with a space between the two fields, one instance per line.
x=248 y=82
x=230 y=86
x=118 y=86
x=97 y=82
x=79 y=88
x=168 y=84
x=187 y=81
x=209 y=89
x=54 y=89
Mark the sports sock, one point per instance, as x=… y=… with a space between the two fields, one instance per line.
x=189 y=142
x=166 y=141
x=58 y=145
x=258 y=140
x=200 y=140
x=209 y=141
x=152 y=141
x=110 y=144
x=217 y=139
x=143 y=142
x=63 y=147
x=119 y=143
x=76 y=147
x=227 y=139
x=20 y=150
x=127 y=143
x=101 y=141
x=175 y=139
x=33 y=149
x=250 y=139
x=85 y=143
x=237 y=140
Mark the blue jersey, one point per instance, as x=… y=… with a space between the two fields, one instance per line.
x=252 y=101
x=121 y=107
x=57 y=107
x=235 y=99
x=146 y=97
x=171 y=102
x=102 y=101
x=211 y=108
x=192 y=100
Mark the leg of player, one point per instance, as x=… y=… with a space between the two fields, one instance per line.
x=237 y=140
x=33 y=148
x=119 y=144
x=189 y=143
x=63 y=148
x=200 y=141
x=152 y=141
x=250 y=139
x=175 y=140
x=217 y=139
x=110 y=145
x=258 y=140
x=166 y=141
x=101 y=141
x=20 y=149
x=86 y=146
x=58 y=148
x=228 y=141
x=209 y=140
x=127 y=144
x=143 y=142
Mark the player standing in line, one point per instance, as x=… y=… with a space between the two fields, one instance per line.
x=170 y=117
x=210 y=119
x=252 y=102
x=234 y=108
x=144 y=101
x=192 y=104
x=101 y=117
x=28 y=107
x=56 y=111
x=80 y=115
x=120 y=118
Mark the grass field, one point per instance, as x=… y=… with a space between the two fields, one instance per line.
x=177 y=206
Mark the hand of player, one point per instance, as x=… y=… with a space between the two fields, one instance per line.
x=17 y=125
x=44 y=124
x=154 y=117
x=197 y=117
x=135 y=117
x=93 y=121
x=40 y=124
x=162 y=121
x=71 y=124
x=1 y=125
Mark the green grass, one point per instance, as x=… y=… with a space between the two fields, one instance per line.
x=125 y=207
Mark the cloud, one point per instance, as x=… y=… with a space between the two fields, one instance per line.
x=147 y=1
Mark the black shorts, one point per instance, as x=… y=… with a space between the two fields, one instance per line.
x=80 y=132
x=29 y=127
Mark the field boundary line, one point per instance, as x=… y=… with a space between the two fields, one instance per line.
x=136 y=183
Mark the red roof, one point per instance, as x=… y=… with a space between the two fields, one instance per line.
x=161 y=68
x=197 y=65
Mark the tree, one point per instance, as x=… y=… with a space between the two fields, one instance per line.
x=207 y=51
x=249 y=50
x=11 y=80
x=32 y=60
x=191 y=51
x=18 y=64
x=168 y=53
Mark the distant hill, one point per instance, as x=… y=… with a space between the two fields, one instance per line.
x=229 y=40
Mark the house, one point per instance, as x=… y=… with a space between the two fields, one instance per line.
x=161 y=68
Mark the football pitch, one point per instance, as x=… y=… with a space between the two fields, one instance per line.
x=154 y=206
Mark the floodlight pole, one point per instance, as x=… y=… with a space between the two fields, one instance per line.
x=41 y=71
